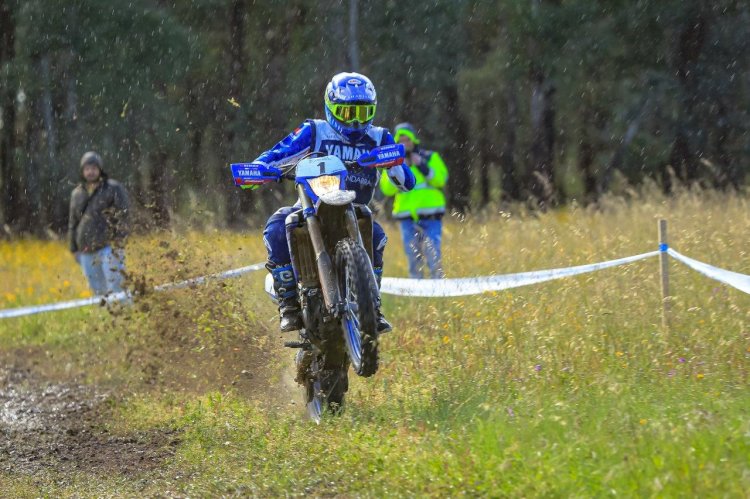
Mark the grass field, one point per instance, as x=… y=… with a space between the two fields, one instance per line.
x=569 y=388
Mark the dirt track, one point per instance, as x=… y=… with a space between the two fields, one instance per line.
x=50 y=421
x=57 y=426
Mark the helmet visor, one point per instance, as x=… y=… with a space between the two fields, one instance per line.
x=349 y=113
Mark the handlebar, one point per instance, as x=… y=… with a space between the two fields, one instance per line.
x=251 y=175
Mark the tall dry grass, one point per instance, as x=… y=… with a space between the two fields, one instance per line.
x=568 y=388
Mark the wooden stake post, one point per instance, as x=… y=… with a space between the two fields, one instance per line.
x=664 y=273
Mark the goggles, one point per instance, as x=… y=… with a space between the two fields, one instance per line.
x=349 y=113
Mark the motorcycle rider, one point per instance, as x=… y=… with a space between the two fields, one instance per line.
x=347 y=132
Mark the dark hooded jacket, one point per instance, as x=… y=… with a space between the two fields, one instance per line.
x=98 y=219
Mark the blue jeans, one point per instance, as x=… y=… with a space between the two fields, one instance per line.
x=104 y=269
x=422 y=242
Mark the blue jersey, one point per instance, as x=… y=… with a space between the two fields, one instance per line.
x=319 y=136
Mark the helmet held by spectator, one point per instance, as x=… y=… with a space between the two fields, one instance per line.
x=405 y=130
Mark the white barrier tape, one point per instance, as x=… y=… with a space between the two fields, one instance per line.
x=200 y=280
x=420 y=287
x=475 y=285
x=734 y=279
x=118 y=297
x=63 y=305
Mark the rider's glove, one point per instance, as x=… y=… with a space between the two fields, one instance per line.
x=401 y=177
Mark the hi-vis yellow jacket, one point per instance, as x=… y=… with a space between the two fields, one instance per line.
x=427 y=197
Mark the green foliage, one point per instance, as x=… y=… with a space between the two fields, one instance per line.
x=171 y=92
x=614 y=64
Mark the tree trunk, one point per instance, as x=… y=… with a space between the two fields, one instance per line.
x=12 y=203
x=30 y=158
x=160 y=186
x=619 y=156
x=550 y=115
x=729 y=174
x=509 y=180
x=485 y=156
x=593 y=122
x=197 y=175
x=686 y=147
x=238 y=202
x=353 y=35
x=70 y=134
x=277 y=112
x=680 y=158
x=459 y=180
x=138 y=161
x=541 y=181
x=336 y=22
x=586 y=156
x=54 y=212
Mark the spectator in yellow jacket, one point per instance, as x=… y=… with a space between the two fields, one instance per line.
x=420 y=211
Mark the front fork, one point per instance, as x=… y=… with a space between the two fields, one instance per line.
x=326 y=272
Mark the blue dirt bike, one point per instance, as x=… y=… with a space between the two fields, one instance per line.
x=330 y=241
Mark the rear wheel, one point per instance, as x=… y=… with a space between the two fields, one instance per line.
x=357 y=286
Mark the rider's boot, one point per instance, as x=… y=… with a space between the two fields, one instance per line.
x=383 y=326
x=285 y=286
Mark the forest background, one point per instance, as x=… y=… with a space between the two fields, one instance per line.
x=539 y=101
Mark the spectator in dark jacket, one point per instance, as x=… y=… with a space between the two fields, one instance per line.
x=98 y=226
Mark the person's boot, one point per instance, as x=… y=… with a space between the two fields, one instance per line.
x=285 y=286
x=383 y=326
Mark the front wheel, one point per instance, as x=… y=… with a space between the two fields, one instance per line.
x=357 y=286
x=324 y=388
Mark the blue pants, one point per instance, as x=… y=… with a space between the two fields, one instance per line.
x=422 y=242
x=104 y=270
x=274 y=237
